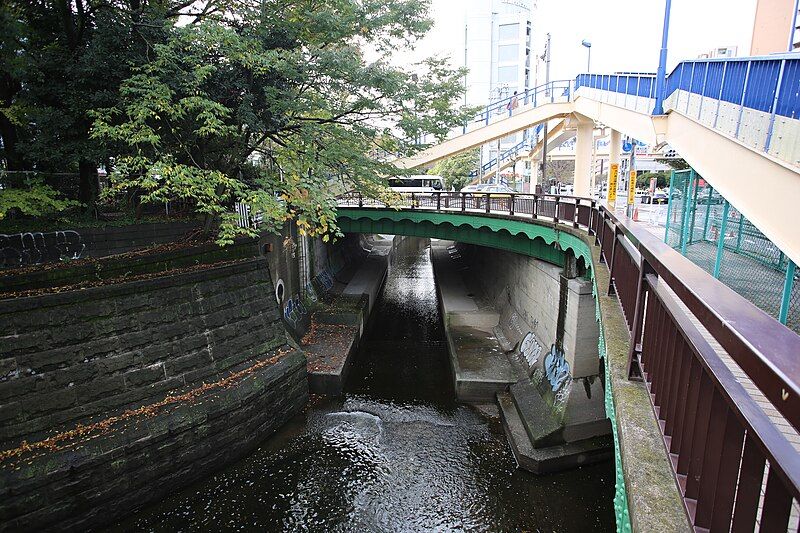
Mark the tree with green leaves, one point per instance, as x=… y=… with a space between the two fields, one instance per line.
x=278 y=103
x=456 y=170
x=58 y=61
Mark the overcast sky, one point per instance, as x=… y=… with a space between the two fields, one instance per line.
x=625 y=35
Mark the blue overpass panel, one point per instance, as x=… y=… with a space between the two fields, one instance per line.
x=714 y=79
x=646 y=86
x=734 y=82
x=789 y=95
x=698 y=76
x=761 y=85
x=674 y=79
x=686 y=77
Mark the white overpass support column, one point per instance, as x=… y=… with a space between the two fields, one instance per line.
x=583 y=157
x=615 y=148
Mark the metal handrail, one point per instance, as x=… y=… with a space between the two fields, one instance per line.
x=554 y=91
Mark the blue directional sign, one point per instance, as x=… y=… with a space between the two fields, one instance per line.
x=626 y=146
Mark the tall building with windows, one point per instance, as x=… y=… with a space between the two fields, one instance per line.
x=498 y=52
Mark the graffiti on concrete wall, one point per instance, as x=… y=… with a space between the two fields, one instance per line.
x=294 y=310
x=530 y=349
x=32 y=248
x=556 y=368
x=320 y=284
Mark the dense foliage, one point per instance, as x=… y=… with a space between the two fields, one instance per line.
x=456 y=169
x=276 y=103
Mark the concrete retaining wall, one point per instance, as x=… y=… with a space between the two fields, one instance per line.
x=526 y=292
x=140 y=387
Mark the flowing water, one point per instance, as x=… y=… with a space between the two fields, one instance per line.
x=396 y=453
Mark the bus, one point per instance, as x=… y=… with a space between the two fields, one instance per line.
x=420 y=183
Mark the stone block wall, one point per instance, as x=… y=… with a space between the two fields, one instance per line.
x=115 y=395
x=30 y=248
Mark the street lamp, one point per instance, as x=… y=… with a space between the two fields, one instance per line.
x=661 y=82
x=588 y=46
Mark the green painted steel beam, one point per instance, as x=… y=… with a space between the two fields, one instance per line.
x=534 y=238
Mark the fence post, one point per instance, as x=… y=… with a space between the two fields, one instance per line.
x=360 y=200
x=635 y=350
x=535 y=206
x=575 y=214
x=611 y=289
x=555 y=211
x=669 y=206
x=412 y=200
x=438 y=201
x=788 y=285
x=511 y=205
x=463 y=201
x=686 y=208
x=739 y=234
x=721 y=239
x=488 y=202
x=708 y=211
x=695 y=183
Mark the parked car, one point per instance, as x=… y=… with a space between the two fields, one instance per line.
x=496 y=190
x=472 y=188
x=499 y=191
x=714 y=199
x=660 y=197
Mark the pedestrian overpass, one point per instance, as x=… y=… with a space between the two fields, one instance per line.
x=735 y=121
x=721 y=376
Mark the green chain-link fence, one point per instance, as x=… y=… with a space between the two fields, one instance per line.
x=712 y=233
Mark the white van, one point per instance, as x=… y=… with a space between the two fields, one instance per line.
x=420 y=183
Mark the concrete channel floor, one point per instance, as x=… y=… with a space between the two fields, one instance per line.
x=480 y=366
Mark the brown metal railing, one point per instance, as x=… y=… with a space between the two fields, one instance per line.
x=719 y=440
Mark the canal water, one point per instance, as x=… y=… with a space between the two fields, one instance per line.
x=396 y=453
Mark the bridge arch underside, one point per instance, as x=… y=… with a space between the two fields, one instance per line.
x=535 y=238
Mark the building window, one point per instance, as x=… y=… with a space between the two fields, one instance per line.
x=508 y=32
x=507 y=74
x=507 y=53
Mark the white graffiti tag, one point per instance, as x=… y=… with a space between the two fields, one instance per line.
x=530 y=349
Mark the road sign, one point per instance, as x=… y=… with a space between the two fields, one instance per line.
x=632 y=187
x=613 y=174
x=626 y=146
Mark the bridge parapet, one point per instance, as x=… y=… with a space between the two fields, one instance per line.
x=711 y=361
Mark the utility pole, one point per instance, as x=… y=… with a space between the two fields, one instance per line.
x=546 y=57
